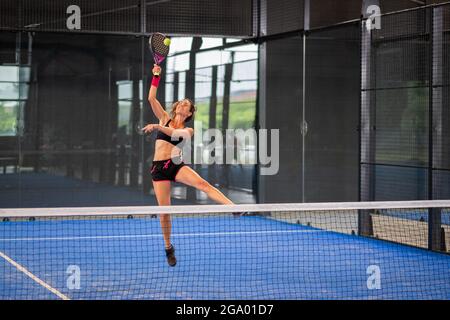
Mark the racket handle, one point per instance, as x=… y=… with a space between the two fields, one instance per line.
x=157 y=73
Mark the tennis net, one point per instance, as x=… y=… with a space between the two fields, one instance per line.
x=376 y=250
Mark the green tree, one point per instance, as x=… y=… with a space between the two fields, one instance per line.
x=7 y=120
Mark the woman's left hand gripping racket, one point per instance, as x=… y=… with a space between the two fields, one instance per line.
x=159 y=46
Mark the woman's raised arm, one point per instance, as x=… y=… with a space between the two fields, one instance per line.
x=157 y=108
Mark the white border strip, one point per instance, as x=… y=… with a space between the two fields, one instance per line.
x=33 y=277
x=204 y=209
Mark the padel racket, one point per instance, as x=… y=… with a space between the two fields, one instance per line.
x=159 y=46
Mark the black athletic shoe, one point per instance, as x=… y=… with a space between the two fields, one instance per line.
x=170 y=254
x=241 y=214
x=237 y=214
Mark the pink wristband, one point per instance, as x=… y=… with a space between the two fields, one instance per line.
x=155 y=81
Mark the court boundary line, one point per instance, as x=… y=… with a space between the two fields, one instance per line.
x=142 y=236
x=39 y=281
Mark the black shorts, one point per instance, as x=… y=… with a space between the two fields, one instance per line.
x=166 y=170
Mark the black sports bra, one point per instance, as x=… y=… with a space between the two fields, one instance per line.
x=162 y=136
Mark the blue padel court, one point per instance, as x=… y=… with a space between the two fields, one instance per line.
x=218 y=258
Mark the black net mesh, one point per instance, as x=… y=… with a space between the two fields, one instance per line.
x=9 y=17
x=403 y=25
x=220 y=17
x=118 y=253
x=402 y=63
x=396 y=106
x=282 y=110
x=329 y=12
x=390 y=6
x=402 y=126
x=103 y=15
x=441 y=102
x=7 y=47
x=441 y=184
x=331 y=143
x=279 y=16
x=401 y=51
x=79 y=100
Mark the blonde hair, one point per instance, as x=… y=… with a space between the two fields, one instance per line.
x=192 y=109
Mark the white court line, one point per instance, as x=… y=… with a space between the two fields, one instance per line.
x=159 y=235
x=33 y=277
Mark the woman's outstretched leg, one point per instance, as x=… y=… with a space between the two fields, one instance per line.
x=191 y=178
x=162 y=191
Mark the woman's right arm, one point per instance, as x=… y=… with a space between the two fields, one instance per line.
x=157 y=108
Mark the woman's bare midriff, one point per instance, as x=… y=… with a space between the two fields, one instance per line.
x=165 y=150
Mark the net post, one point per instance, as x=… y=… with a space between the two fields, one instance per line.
x=367 y=135
x=434 y=214
x=365 y=224
x=434 y=229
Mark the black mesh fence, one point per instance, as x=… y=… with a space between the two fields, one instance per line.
x=281 y=81
x=73 y=136
x=402 y=102
x=9 y=17
x=404 y=95
x=219 y=17
x=70 y=106
x=441 y=102
x=331 y=113
x=404 y=115
x=278 y=16
x=51 y=15
x=330 y=12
